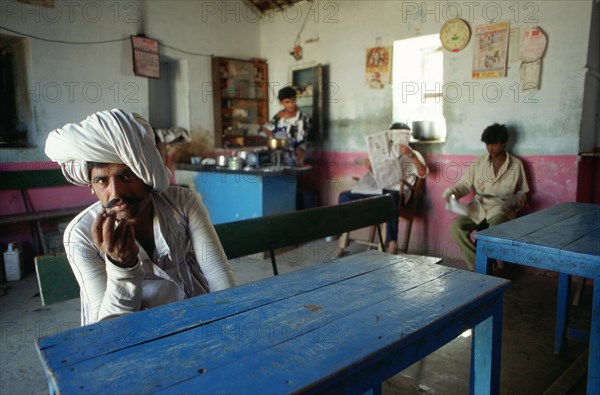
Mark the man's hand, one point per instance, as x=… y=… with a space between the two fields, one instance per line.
x=406 y=150
x=447 y=194
x=368 y=165
x=268 y=132
x=117 y=242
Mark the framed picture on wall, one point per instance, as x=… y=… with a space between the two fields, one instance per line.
x=146 y=59
x=378 y=67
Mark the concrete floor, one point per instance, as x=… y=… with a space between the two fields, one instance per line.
x=528 y=363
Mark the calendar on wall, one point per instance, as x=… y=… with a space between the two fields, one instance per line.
x=146 y=59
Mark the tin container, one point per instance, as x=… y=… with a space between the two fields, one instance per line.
x=235 y=163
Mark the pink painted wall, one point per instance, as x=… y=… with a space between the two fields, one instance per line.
x=11 y=202
x=42 y=198
x=552 y=180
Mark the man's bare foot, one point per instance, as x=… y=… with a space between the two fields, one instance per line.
x=392 y=248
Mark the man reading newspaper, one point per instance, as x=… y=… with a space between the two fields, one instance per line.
x=390 y=161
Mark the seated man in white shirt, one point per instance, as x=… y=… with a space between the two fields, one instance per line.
x=144 y=243
x=500 y=185
x=412 y=165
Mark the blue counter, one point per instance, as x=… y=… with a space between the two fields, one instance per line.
x=234 y=195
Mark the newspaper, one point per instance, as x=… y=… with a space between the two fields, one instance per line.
x=367 y=185
x=384 y=153
x=456 y=207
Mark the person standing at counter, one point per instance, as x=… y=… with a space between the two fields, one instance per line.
x=144 y=243
x=291 y=124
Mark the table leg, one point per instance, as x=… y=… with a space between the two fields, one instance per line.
x=593 y=382
x=485 y=353
x=51 y=389
x=562 y=312
x=482 y=264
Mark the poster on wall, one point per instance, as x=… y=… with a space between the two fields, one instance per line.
x=534 y=44
x=378 y=67
x=146 y=59
x=532 y=51
x=490 y=50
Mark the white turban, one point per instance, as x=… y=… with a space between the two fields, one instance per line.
x=114 y=136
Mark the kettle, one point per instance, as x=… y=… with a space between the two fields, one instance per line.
x=250 y=157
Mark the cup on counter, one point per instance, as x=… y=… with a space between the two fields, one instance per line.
x=235 y=163
x=196 y=160
x=222 y=161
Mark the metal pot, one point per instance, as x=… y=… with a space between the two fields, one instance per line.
x=274 y=143
x=425 y=130
x=251 y=158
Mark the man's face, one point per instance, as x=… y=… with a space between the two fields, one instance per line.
x=495 y=149
x=120 y=190
x=289 y=104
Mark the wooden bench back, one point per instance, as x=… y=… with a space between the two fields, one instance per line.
x=32 y=179
x=240 y=238
x=25 y=180
x=55 y=279
x=250 y=236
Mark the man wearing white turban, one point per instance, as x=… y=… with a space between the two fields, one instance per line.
x=144 y=243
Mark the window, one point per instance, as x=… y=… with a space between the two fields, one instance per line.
x=418 y=77
x=15 y=117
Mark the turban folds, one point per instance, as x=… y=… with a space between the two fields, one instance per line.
x=114 y=136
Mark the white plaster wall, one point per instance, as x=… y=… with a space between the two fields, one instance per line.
x=547 y=122
x=204 y=28
x=67 y=82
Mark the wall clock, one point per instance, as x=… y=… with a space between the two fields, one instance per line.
x=455 y=35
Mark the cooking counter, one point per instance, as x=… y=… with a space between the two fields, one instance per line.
x=233 y=195
x=264 y=171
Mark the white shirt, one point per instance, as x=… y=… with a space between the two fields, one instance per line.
x=408 y=172
x=503 y=193
x=188 y=260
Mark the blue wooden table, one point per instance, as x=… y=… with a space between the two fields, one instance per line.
x=566 y=239
x=338 y=327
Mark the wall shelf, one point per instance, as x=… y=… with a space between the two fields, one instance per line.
x=240 y=101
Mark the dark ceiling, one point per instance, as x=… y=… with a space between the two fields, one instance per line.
x=263 y=6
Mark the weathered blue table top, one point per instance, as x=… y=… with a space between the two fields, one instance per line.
x=570 y=231
x=291 y=333
x=564 y=238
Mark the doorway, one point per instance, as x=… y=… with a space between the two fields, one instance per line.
x=168 y=98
